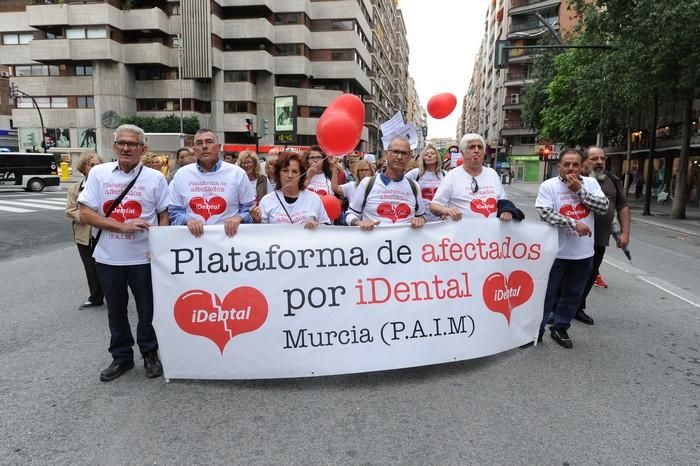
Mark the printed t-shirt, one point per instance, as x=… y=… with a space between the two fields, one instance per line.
x=320 y=185
x=145 y=200
x=392 y=203
x=455 y=190
x=556 y=195
x=428 y=183
x=348 y=189
x=308 y=206
x=211 y=197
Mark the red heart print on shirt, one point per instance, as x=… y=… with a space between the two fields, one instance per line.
x=243 y=310
x=124 y=211
x=393 y=212
x=428 y=193
x=485 y=207
x=577 y=212
x=320 y=192
x=502 y=295
x=208 y=208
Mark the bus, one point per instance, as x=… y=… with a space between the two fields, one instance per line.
x=28 y=171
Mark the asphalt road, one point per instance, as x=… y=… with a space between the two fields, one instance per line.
x=628 y=392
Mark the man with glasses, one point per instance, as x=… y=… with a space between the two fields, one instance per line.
x=388 y=198
x=122 y=254
x=210 y=192
x=473 y=190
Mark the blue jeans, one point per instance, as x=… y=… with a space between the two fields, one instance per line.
x=568 y=277
x=114 y=280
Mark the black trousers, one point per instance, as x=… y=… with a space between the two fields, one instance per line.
x=597 y=260
x=96 y=294
x=116 y=281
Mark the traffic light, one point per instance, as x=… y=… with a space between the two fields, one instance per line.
x=249 y=127
x=547 y=152
x=14 y=91
x=264 y=127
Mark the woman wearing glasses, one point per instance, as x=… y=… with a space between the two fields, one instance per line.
x=320 y=172
x=473 y=190
x=290 y=203
x=429 y=174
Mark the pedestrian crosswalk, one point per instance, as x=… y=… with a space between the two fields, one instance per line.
x=27 y=203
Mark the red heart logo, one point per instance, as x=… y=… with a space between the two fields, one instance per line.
x=243 y=310
x=392 y=212
x=502 y=296
x=208 y=208
x=577 y=212
x=485 y=207
x=124 y=211
x=428 y=193
x=320 y=192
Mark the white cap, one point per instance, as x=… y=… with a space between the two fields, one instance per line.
x=370 y=158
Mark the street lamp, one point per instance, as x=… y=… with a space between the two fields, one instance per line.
x=180 y=53
x=15 y=93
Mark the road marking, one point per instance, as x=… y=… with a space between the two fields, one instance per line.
x=655 y=282
x=44 y=201
x=31 y=204
x=15 y=210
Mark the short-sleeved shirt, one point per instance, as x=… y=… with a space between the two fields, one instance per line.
x=613 y=190
x=145 y=200
x=348 y=189
x=320 y=185
x=391 y=202
x=456 y=191
x=211 y=197
x=308 y=206
x=555 y=194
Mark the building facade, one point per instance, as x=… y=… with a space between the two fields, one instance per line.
x=88 y=63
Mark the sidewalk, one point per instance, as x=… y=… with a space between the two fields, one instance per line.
x=660 y=214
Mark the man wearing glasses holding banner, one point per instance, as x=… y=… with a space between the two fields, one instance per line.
x=473 y=190
x=122 y=200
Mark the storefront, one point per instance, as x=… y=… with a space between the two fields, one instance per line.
x=525 y=167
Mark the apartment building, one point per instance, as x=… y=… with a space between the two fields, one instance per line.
x=416 y=114
x=90 y=62
x=508 y=137
x=8 y=134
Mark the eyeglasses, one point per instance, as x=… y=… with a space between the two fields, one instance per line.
x=129 y=144
x=403 y=153
x=315 y=159
x=475 y=185
x=202 y=142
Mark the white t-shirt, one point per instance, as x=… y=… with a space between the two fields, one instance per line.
x=456 y=191
x=308 y=206
x=555 y=194
x=390 y=204
x=270 y=185
x=348 y=189
x=320 y=185
x=211 y=197
x=428 y=183
x=145 y=200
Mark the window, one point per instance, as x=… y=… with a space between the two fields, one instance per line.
x=289 y=80
x=239 y=76
x=239 y=107
x=284 y=50
x=342 y=55
x=515 y=99
x=87 y=101
x=289 y=18
x=343 y=25
x=37 y=70
x=96 y=33
x=86 y=33
x=17 y=38
x=75 y=33
x=43 y=102
x=316 y=112
x=83 y=70
x=59 y=102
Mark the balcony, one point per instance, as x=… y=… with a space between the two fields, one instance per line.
x=153 y=19
x=524 y=6
x=170 y=89
x=530 y=24
x=67 y=85
x=150 y=53
x=43 y=16
x=55 y=117
x=341 y=70
x=15 y=54
x=252 y=60
x=517 y=79
x=59 y=50
x=516 y=128
x=258 y=28
x=296 y=64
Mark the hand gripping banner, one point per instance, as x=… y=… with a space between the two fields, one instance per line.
x=281 y=301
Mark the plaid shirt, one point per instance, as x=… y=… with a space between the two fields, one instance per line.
x=598 y=204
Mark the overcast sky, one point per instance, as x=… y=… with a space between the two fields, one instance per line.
x=443 y=37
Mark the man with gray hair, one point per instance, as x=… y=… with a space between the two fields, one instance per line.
x=388 y=197
x=123 y=199
x=473 y=190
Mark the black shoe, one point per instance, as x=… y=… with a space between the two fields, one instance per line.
x=560 y=336
x=152 y=365
x=581 y=316
x=115 y=369
x=532 y=343
x=88 y=304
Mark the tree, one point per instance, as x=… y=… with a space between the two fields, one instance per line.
x=168 y=124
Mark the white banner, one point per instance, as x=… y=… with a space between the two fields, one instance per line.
x=280 y=301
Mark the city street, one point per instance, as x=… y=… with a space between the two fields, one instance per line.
x=627 y=393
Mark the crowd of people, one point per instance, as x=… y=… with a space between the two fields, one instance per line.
x=111 y=214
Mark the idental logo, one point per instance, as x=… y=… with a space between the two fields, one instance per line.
x=502 y=295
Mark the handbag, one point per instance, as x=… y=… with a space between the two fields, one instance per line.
x=115 y=204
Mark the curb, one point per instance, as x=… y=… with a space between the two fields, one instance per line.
x=666 y=226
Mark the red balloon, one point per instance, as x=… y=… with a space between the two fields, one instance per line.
x=460 y=161
x=350 y=104
x=332 y=206
x=337 y=133
x=441 y=105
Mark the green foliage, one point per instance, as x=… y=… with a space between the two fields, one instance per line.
x=168 y=124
